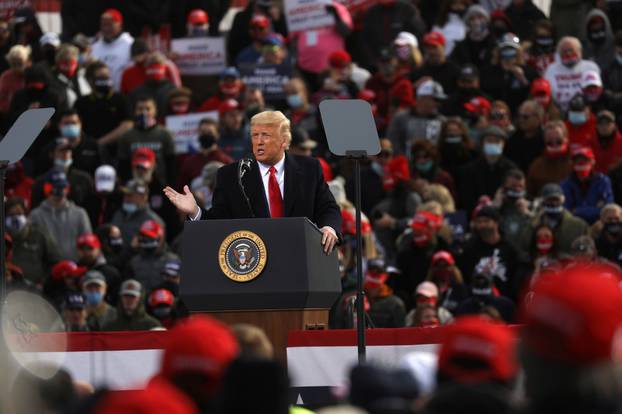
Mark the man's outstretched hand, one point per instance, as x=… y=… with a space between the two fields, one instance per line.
x=185 y=202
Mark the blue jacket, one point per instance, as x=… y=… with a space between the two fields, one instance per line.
x=588 y=205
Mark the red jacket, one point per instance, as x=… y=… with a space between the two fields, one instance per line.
x=607 y=156
x=582 y=134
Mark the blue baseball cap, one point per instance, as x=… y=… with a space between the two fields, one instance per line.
x=74 y=301
x=58 y=179
x=171 y=268
x=230 y=72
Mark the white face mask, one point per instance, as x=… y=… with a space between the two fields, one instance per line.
x=15 y=224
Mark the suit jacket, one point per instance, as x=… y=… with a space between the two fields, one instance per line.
x=306 y=194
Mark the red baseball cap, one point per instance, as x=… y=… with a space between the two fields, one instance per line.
x=199 y=344
x=339 y=59
x=366 y=95
x=88 y=239
x=434 y=39
x=114 y=14
x=397 y=170
x=259 y=20
x=426 y=220
x=348 y=223
x=160 y=396
x=472 y=338
x=478 y=105
x=540 y=86
x=444 y=256
x=161 y=297
x=375 y=280
x=151 y=229
x=198 y=16
x=67 y=268
x=578 y=150
x=326 y=170
x=228 y=105
x=144 y=157
x=574 y=316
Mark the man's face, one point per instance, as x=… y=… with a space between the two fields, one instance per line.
x=208 y=129
x=145 y=174
x=500 y=117
x=553 y=137
x=75 y=317
x=138 y=199
x=605 y=127
x=273 y=54
x=468 y=83
x=94 y=288
x=109 y=27
x=146 y=108
x=427 y=105
x=528 y=119
x=88 y=254
x=268 y=145
x=569 y=50
x=232 y=120
x=484 y=225
x=72 y=119
x=515 y=184
x=62 y=154
x=129 y=303
x=611 y=216
x=434 y=55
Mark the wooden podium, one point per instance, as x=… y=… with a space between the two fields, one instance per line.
x=271 y=273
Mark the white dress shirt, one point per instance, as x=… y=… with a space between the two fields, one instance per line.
x=264 y=171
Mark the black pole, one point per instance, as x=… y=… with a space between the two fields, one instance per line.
x=360 y=294
x=3 y=166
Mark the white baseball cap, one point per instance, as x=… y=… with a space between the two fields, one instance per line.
x=105 y=178
x=431 y=88
x=591 y=78
x=406 y=38
x=50 y=38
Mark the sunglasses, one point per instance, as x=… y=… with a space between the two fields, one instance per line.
x=497 y=116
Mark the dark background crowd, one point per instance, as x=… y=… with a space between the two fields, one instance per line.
x=501 y=151
x=500 y=173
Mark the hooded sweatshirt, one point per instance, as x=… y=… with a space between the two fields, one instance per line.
x=602 y=54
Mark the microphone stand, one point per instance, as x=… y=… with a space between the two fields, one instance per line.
x=242 y=169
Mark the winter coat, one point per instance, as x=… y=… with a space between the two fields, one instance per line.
x=101 y=316
x=586 y=203
x=602 y=54
x=388 y=312
x=139 y=320
x=129 y=224
x=564 y=234
x=544 y=170
x=147 y=268
x=480 y=178
x=35 y=253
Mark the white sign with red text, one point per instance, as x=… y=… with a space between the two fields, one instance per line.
x=199 y=56
x=307 y=14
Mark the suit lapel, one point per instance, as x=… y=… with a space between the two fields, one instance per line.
x=256 y=193
x=292 y=176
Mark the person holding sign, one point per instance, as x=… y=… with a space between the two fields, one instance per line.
x=277 y=184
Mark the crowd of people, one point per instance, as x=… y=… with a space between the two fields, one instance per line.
x=500 y=150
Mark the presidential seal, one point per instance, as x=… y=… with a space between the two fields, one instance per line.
x=242 y=256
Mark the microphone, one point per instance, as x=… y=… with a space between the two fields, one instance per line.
x=244 y=165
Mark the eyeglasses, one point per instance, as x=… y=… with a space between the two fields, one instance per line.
x=605 y=120
x=497 y=116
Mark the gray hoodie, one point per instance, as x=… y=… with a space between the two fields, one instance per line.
x=63 y=224
x=603 y=53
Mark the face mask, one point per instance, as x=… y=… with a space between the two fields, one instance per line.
x=425 y=166
x=232 y=89
x=93 y=298
x=613 y=228
x=553 y=211
x=619 y=59
x=514 y=194
x=116 y=244
x=481 y=287
x=147 y=244
x=144 y=121
x=63 y=164
x=198 y=32
x=69 y=68
x=453 y=139
x=207 y=140
x=598 y=37
x=570 y=60
x=162 y=312
x=577 y=117
x=70 y=131
x=294 y=101
x=130 y=208
x=582 y=170
x=544 y=245
x=103 y=85
x=544 y=42
x=15 y=224
x=493 y=149
x=556 y=152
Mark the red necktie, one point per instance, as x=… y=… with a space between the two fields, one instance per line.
x=276 y=201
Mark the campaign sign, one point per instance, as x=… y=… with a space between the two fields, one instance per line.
x=307 y=14
x=184 y=129
x=199 y=56
x=270 y=79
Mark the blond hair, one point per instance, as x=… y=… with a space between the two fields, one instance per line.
x=277 y=119
x=19 y=52
x=253 y=340
x=67 y=51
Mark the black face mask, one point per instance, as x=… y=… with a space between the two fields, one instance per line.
x=513 y=195
x=613 y=229
x=545 y=43
x=207 y=140
x=116 y=244
x=162 y=312
x=103 y=85
x=148 y=245
x=597 y=37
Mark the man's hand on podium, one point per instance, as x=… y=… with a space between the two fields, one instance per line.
x=329 y=239
x=185 y=202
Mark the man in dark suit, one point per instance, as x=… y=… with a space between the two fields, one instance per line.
x=277 y=184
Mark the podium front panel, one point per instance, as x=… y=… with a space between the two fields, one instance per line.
x=297 y=274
